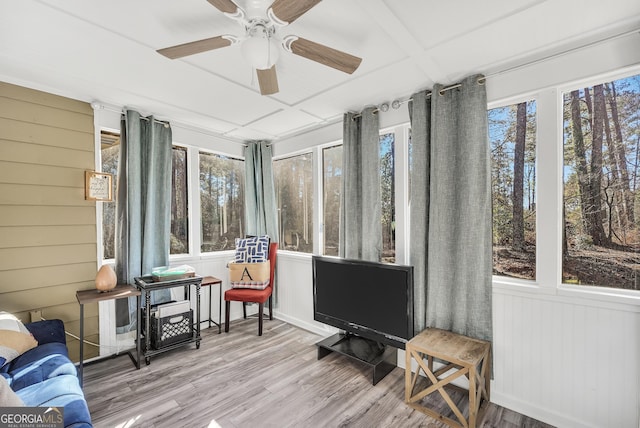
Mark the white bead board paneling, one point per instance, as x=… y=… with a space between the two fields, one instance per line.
x=295 y=293
x=567 y=363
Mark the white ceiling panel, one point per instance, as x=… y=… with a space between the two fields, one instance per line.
x=105 y=51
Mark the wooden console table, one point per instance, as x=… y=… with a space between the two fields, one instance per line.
x=92 y=296
x=466 y=357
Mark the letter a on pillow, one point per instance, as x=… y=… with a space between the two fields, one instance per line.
x=245 y=273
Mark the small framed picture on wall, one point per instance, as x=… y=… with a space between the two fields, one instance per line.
x=98 y=186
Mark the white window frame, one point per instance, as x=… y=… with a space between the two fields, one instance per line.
x=598 y=292
x=318 y=196
x=196 y=179
x=549 y=192
x=315 y=224
x=502 y=279
x=190 y=205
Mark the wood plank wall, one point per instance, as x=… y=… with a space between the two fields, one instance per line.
x=47 y=229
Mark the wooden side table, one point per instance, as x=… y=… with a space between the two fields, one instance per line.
x=465 y=357
x=91 y=296
x=210 y=281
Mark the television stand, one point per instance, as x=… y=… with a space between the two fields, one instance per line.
x=380 y=357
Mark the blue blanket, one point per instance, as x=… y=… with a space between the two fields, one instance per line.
x=45 y=376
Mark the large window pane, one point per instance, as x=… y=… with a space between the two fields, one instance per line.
x=110 y=151
x=601 y=147
x=331 y=188
x=294 y=185
x=388 y=200
x=179 y=208
x=512 y=135
x=221 y=201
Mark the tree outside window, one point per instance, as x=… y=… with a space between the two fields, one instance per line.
x=601 y=161
x=221 y=201
x=387 y=197
x=331 y=188
x=110 y=152
x=512 y=135
x=179 y=206
x=294 y=198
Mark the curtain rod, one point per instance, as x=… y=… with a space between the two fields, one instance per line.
x=397 y=103
x=163 y=122
x=247 y=145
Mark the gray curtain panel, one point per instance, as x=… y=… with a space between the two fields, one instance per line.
x=143 y=207
x=451 y=210
x=420 y=115
x=360 y=204
x=261 y=211
x=260 y=195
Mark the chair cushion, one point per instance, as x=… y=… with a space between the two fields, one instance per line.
x=248 y=295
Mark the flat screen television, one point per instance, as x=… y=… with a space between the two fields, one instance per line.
x=369 y=299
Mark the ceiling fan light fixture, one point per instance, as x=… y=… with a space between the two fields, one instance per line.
x=259 y=49
x=260 y=52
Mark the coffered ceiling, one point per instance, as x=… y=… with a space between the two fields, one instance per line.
x=105 y=51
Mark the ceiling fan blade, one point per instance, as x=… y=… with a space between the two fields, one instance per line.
x=268 y=81
x=323 y=54
x=226 y=6
x=191 y=48
x=288 y=11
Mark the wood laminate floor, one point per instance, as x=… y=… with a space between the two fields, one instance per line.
x=238 y=379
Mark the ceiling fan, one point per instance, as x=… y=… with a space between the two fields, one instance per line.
x=258 y=43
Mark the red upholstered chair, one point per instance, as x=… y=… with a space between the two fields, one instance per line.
x=247 y=295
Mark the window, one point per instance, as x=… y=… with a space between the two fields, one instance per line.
x=387 y=196
x=512 y=135
x=179 y=206
x=110 y=151
x=601 y=162
x=294 y=198
x=221 y=201
x=331 y=188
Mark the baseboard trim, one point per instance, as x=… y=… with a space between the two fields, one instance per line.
x=322 y=332
x=539 y=413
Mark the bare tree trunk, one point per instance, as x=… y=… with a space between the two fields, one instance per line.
x=620 y=153
x=614 y=198
x=589 y=103
x=581 y=159
x=596 y=216
x=518 y=178
x=174 y=201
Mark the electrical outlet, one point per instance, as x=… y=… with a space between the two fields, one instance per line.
x=36 y=316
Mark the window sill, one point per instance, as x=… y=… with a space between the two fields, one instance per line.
x=609 y=298
x=604 y=297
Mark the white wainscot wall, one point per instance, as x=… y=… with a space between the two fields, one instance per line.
x=295 y=293
x=567 y=361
